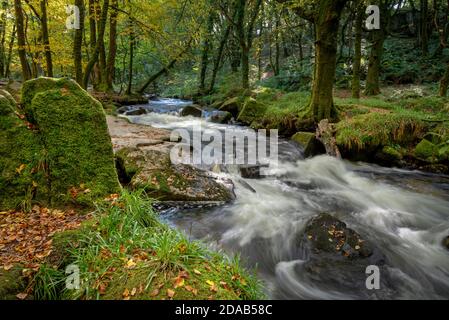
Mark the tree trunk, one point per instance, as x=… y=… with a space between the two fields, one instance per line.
x=93 y=60
x=78 y=45
x=165 y=69
x=110 y=65
x=219 y=57
x=205 y=55
x=373 y=77
x=131 y=59
x=10 y=49
x=245 y=68
x=45 y=38
x=357 y=56
x=3 y=26
x=444 y=83
x=424 y=27
x=326 y=34
x=21 y=40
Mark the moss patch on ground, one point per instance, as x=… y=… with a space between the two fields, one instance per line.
x=12 y=282
x=126 y=253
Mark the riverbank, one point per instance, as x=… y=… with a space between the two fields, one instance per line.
x=406 y=127
x=114 y=242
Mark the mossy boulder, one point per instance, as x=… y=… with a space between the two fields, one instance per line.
x=12 y=282
x=193 y=111
x=151 y=168
x=310 y=143
x=59 y=151
x=390 y=156
x=251 y=111
x=74 y=133
x=20 y=160
x=426 y=151
x=8 y=96
x=220 y=117
x=233 y=106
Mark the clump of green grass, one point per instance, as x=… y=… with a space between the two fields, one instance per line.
x=127 y=253
x=377 y=129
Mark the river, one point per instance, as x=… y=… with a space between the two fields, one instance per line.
x=404 y=213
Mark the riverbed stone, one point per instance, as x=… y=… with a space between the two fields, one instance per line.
x=446 y=242
x=192 y=111
x=221 y=117
x=310 y=143
x=328 y=234
x=150 y=168
x=338 y=256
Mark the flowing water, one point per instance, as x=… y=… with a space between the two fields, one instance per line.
x=404 y=213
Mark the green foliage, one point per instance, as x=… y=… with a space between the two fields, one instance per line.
x=404 y=63
x=128 y=247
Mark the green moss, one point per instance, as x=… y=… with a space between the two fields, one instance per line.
x=232 y=105
x=391 y=153
x=426 y=150
x=12 y=282
x=21 y=161
x=8 y=96
x=31 y=88
x=251 y=111
x=75 y=135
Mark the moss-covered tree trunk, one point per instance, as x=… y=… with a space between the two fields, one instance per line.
x=205 y=54
x=444 y=83
x=78 y=45
x=327 y=20
x=112 y=52
x=357 y=56
x=132 y=39
x=375 y=57
x=21 y=40
x=45 y=38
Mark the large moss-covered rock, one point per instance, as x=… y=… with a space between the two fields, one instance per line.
x=232 y=106
x=426 y=150
x=151 y=168
x=310 y=143
x=74 y=134
x=21 y=159
x=251 y=111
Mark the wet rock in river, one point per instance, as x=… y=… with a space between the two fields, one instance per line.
x=328 y=234
x=446 y=242
x=151 y=168
x=192 y=111
x=338 y=256
x=221 y=117
x=232 y=106
x=310 y=143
